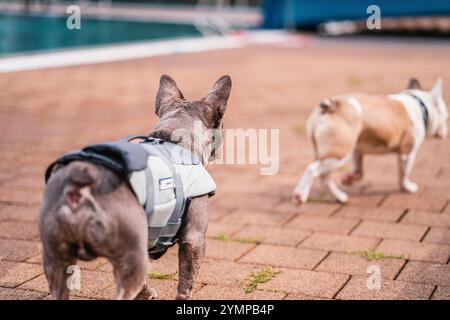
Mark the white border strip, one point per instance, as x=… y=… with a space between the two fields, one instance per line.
x=114 y=53
x=123 y=52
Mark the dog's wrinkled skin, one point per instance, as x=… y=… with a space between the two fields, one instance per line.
x=346 y=127
x=88 y=212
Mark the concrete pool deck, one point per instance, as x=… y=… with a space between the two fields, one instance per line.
x=319 y=249
x=143 y=49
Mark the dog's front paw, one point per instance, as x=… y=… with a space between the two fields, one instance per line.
x=147 y=294
x=410 y=186
x=153 y=294
x=181 y=296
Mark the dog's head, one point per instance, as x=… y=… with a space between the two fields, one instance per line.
x=438 y=112
x=197 y=124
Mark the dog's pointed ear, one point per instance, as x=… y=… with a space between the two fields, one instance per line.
x=218 y=96
x=329 y=105
x=414 y=84
x=168 y=93
x=436 y=91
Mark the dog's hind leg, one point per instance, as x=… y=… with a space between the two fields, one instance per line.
x=338 y=194
x=130 y=272
x=303 y=187
x=57 y=273
x=192 y=246
x=319 y=168
x=357 y=170
x=334 y=164
x=406 y=163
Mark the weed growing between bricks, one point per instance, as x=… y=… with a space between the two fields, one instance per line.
x=226 y=238
x=161 y=275
x=376 y=255
x=260 y=277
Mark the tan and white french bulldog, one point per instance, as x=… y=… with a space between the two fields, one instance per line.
x=344 y=128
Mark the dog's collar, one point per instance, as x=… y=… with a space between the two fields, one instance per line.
x=423 y=107
x=162 y=136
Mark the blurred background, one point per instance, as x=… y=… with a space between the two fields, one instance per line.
x=63 y=88
x=38 y=25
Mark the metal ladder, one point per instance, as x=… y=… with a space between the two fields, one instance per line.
x=215 y=24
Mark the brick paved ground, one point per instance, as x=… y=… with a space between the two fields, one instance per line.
x=316 y=249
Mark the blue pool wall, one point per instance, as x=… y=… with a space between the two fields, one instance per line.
x=281 y=13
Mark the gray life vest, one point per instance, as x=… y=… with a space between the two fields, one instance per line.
x=163 y=176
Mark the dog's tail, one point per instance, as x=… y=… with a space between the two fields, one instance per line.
x=83 y=216
x=329 y=105
x=81 y=177
x=82 y=174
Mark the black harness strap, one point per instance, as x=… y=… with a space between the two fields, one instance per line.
x=423 y=107
x=113 y=164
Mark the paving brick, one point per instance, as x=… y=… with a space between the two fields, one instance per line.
x=429 y=219
x=5 y=176
x=367 y=201
x=438 y=235
x=319 y=209
x=355 y=265
x=92 y=265
x=309 y=283
x=18 y=230
x=238 y=190
x=214 y=292
x=356 y=289
x=27 y=182
x=447 y=208
x=166 y=289
x=31 y=169
x=425 y=272
x=93 y=284
x=411 y=201
x=106 y=293
x=279 y=185
x=226 y=273
x=415 y=250
x=71 y=297
x=106 y=267
x=337 y=242
x=218 y=229
x=13 y=274
x=16 y=294
x=15 y=212
x=24 y=196
x=284 y=256
x=167 y=263
x=441 y=293
x=244 y=198
x=317 y=223
x=249 y=201
x=390 y=230
x=271 y=235
x=9 y=249
x=380 y=214
x=218 y=210
x=256 y=217
x=300 y=296
x=227 y=250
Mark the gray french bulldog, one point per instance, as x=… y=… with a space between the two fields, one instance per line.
x=88 y=211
